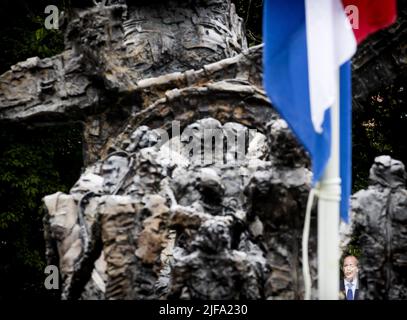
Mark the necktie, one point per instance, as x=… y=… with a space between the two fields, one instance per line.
x=349 y=294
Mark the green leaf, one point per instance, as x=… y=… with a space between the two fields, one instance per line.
x=39 y=34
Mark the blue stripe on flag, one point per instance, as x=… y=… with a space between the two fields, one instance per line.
x=345 y=138
x=285 y=79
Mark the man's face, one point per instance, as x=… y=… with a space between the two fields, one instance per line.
x=350 y=268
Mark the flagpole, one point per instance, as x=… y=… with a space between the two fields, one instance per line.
x=329 y=214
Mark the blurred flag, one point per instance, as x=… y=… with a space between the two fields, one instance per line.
x=306 y=43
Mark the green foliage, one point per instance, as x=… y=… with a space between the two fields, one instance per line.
x=23 y=34
x=352 y=250
x=379 y=129
x=34 y=163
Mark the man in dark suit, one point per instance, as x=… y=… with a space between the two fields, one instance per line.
x=349 y=285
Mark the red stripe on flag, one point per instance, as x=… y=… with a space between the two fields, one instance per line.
x=372 y=14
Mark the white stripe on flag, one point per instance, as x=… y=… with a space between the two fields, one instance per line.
x=330 y=42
